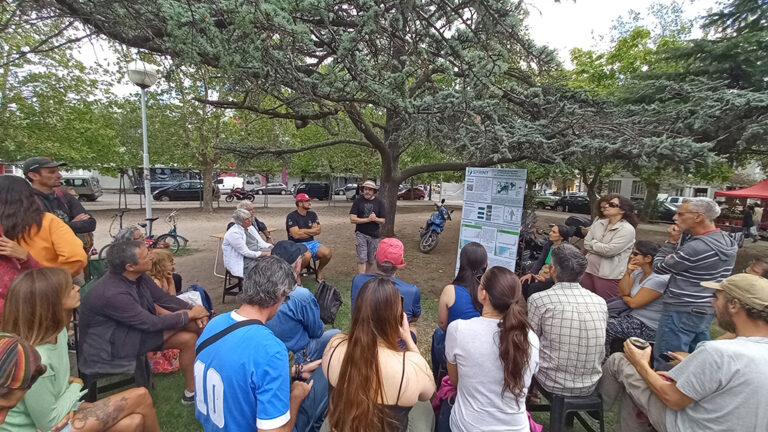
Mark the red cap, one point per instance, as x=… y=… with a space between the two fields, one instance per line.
x=391 y=249
x=302 y=197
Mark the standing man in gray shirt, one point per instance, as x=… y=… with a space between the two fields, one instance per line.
x=707 y=255
x=722 y=386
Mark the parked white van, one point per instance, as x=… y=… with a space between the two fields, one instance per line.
x=226 y=184
x=87 y=187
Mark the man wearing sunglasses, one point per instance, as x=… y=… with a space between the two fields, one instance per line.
x=707 y=255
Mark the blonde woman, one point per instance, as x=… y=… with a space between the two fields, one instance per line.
x=38 y=307
x=162 y=270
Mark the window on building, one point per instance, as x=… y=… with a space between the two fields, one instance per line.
x=638 y=188
x=614 y=186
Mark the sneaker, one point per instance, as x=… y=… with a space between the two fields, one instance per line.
x=187 y=400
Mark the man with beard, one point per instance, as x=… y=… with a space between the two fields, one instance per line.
x=721 y=386
x=367 y=213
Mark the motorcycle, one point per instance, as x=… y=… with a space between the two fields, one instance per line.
x=430 y=234
x=239 y=194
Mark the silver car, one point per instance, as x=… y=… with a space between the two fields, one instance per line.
x=271 y=189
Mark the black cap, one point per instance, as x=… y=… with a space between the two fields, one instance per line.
x=35 y=163
x=287 y=250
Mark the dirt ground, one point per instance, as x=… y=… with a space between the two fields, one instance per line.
x=430 y=272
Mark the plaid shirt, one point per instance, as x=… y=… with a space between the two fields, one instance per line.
x=570 y=322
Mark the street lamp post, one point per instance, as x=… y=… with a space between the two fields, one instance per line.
x=144 y=76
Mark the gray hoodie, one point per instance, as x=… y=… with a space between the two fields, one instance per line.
x=702 y=258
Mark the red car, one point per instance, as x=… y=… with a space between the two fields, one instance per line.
x=412 y=194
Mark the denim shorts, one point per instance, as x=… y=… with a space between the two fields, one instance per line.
x=312 y=246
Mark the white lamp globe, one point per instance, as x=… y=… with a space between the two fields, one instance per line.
x=142 y=74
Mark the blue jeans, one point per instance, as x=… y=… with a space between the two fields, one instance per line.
x=312 y=410
x=680 y=331
x=315 y=347
x=439 y=367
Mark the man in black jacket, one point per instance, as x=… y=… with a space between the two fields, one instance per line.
x=43 y=173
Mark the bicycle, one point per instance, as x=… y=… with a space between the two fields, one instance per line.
x=169 y=240
x=175 y=240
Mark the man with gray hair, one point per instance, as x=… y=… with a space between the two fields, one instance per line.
x=706 y=254
x=570 y=322
x=125 y=315
x=242 y=377
x=242 y=244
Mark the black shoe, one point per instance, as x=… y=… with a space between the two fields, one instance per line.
x=187 y=400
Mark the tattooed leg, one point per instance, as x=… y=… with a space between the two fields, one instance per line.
x=130 y=410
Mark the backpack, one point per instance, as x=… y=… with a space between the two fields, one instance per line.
x=329 y=300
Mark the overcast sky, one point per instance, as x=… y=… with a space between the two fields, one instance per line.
x=562 y=26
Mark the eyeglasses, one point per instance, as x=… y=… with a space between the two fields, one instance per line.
x=610 y=204
x=635 y=253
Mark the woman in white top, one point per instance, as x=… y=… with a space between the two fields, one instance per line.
x=242 y=242
x=608 y=244
x=492 y=358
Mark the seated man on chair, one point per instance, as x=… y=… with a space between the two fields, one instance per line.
x=298 y=322
x=303 y=225
x=242 y=244
x=125 y=315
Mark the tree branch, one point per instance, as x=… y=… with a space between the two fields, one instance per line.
x=253 y=152
x=455 y=166
x=270 y=112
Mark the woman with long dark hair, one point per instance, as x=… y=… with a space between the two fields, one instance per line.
x=608 y=244
x=376 y=386
x=458 y=300
x=539 y=279
x=42 y=234
x=492 y=358
x=38 y=308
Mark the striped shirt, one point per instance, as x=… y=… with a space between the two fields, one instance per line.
x=703 y=258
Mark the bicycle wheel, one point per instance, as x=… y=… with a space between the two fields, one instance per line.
x=103 y=251
x=172 y=240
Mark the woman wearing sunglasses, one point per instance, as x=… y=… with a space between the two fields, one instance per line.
x=608 y=244
x=637 y=311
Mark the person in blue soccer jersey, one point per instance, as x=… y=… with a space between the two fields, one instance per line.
x=242 y=379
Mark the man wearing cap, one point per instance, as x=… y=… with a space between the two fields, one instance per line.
x=43 y=173
x=303 y=225
x=389 y=258
x=297 y=322
x=367 y=213
x=721 y=386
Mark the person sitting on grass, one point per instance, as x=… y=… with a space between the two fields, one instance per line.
x=126 y=315
x=721 y=386
x=302 y=226
x=638 y=309
x=492 y=358
x=378 y=386
x=298 y=322
x=20 y=367
x=242 y=244
x=38 y=308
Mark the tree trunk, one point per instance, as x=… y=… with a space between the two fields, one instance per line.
x=390 y=181
x=206 y=169
x=649 y=204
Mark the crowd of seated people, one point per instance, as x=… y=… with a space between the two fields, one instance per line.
x=271 y=364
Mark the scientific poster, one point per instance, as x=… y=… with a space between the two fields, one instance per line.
x=491 y=216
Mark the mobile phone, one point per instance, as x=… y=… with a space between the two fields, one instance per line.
x=666 y=357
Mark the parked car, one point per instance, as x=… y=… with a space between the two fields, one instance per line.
x=271 y=189
x=352 y=193
x=189 y=190
x=666 y=212
x=345 y=189
x=414 y=193
x=545 y=201
x=87 y=187
x=677 y=200
x=573 y=204
x=316 y=190
x=226 y=184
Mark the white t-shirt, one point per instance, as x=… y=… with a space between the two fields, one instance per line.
x=473 y=345
x=728 y=382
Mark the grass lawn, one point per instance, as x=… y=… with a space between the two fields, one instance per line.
x=175 y=417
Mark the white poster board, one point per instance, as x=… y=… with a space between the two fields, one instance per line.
x=493 y=206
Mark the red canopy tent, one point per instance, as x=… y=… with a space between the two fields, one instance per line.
x=759 y=190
